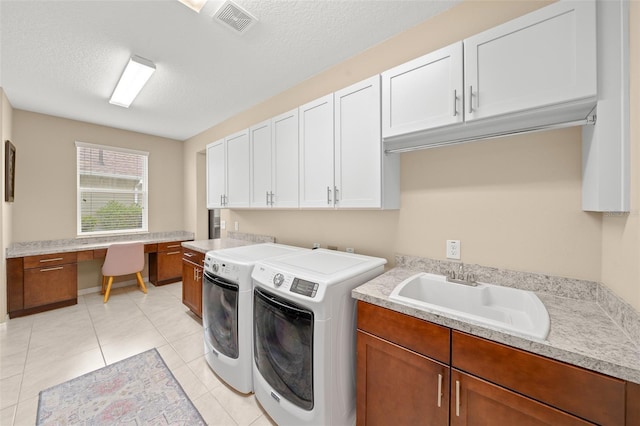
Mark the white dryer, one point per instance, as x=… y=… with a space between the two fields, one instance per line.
x=305 y=335
x=227 y=309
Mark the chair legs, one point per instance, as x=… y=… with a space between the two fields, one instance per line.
x=141 y=283
x=106 y=294
x=108 y=284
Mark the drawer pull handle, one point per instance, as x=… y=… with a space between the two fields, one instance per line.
x=439 y=390
x=173 y=252
x=458 y=398
x=51 y=269
x=173 y=246
x=189 y=254
x=51 y=260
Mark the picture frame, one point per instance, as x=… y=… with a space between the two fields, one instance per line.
x=9 y=171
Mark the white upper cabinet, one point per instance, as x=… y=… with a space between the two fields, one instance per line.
x=425 y=93
x=284 y=136
x=316 y=153
x=545 y=58
x=237 y=162
x=216 y=175
x=261 y=163
x=365 y=177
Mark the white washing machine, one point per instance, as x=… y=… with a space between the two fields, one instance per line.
x=304 y=329
x=227 y=310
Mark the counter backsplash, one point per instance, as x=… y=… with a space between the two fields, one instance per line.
x=621 y=312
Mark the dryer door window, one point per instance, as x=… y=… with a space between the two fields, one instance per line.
x=283 y=347
x=220 y=314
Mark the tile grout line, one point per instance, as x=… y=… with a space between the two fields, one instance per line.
x=93 y=326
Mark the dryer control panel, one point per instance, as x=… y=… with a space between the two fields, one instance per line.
x=285 y=282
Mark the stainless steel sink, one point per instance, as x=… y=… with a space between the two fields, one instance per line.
x=507 y=309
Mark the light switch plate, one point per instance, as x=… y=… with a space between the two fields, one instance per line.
x=223 y=224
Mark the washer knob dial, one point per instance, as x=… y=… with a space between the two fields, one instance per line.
x=215 y=267
x=278 y=279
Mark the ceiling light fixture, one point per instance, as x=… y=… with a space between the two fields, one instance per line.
x=194 y=4
x=133 y=79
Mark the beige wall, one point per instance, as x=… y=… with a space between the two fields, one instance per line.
x=6 y=117
x=621 y=234
x=45 y=206
x=513 y=202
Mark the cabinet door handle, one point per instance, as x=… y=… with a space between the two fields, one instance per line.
x=173 y=252
x=455 y=102
x=189 y=254
x=457 y=398
x=328 y=195
x=54 y=259
x=271 y=196
x=470 y=99
x=439 y=390
x=221 y=200
x=267 y=198
x=51 y=269
x=335 y=194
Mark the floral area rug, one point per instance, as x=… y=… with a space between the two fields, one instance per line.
x=135 y=391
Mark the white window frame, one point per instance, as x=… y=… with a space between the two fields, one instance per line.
x=145 y=192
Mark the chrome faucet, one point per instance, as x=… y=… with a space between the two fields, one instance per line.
x=460 y=277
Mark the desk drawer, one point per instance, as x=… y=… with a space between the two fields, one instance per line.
x=50 y=284
x=170 y=246
x=48 y=260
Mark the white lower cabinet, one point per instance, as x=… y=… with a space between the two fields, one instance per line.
x=342 y=164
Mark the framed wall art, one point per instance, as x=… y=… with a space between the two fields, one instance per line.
x=9 y=171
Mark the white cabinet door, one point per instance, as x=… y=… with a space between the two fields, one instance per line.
x=237 y=150
x=261 y=162
x=316 y=153
x=544 y=58
x=284 y=136
x=358 y=145
x=423 y=94
x=216 y=175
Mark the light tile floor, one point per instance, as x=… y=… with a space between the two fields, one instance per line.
x=39 y=351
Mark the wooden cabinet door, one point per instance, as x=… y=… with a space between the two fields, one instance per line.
x=216 y=175
x=476 y=402
x=284 y=136
x=237 y=167
x=396 y=386
x=50 y=284
x=169 y=265
x=425 y=93
x=261 y=162
x=544 y=58
x=358 y=145
x=192 y=287
x=316 y=153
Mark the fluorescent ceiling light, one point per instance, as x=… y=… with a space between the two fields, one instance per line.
x=194 y=4
x=133 y=79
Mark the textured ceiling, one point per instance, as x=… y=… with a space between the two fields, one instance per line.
x=63 y=58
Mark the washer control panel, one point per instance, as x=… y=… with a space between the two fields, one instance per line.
x=285 y=282
x=227 y=270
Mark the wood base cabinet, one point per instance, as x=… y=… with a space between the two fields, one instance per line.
x=165 y=266
x=410 y=371
x=192 y=270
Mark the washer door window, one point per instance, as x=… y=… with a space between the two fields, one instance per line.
x=220 y=314
x=283 y=347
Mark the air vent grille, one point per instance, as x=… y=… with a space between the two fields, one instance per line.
x=233 y=16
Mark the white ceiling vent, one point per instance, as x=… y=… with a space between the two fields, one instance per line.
x=234 y=17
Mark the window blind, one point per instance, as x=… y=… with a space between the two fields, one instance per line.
x=112 y=189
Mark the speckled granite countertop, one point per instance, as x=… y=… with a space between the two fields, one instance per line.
x=34 y=248
x=582 y=332
x=234 y=239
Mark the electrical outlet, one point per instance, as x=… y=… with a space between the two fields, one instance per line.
x=316 y=245
x=453 y=249
x=237 y=226
x=350 y=250
x=223 y=224
x=332 y=247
